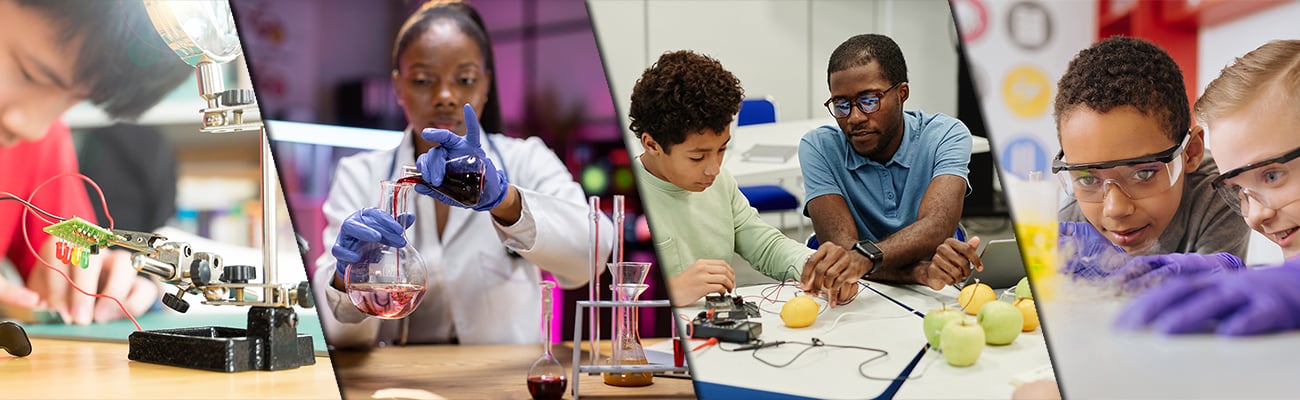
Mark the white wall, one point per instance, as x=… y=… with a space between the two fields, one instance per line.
x=777 y=48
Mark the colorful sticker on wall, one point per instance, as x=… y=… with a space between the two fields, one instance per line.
x=1029 y=25
x=1027 y=91
x=972 y=19
x=1023 y=154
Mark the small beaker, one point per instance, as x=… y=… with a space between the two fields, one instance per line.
x=462 y=179
x=388 y=282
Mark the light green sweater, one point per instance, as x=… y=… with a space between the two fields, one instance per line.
x=714 y=224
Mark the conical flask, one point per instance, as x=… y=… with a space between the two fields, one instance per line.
x=629 y=283
x=388 y=282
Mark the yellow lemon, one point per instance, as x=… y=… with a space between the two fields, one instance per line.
x=972 y=297
x=1030 y=312
x=799 y=312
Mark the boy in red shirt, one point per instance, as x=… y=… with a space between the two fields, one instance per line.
x=53 y=55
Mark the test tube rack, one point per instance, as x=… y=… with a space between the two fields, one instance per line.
x=593 y=369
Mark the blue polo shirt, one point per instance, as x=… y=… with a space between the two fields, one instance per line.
x=885 y=198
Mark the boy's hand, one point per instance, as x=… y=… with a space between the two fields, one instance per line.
x=1147 y=271
x=700 y=279
x=109 y=273
x=1234 y=304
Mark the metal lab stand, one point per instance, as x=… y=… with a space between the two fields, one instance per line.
x=579 y=368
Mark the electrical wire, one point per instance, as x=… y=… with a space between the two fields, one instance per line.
x=904 y=378
x=36 y=254
x=757 y=347
x=30 y=206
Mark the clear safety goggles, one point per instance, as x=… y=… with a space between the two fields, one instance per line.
x=1268 y=183
x=1137 y=178
x=867 y=102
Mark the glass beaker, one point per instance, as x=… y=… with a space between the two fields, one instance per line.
x=629 y=283
x=388 y=282
x=462 y=179
x=1034 y=208
x=546 y=378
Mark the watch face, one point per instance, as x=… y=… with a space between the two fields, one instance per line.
x=870 y=250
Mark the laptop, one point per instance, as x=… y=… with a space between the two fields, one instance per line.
x=1003 y=267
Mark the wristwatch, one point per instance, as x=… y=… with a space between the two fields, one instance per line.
x=868 y=249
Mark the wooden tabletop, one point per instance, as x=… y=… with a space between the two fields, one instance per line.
x=67 y=369
x=475 y=372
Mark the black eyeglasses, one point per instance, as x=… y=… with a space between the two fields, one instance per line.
x=868 y=102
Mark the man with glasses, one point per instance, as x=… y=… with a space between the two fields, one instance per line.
x=885 y=182
x=1137 y=171
x=1252 y=113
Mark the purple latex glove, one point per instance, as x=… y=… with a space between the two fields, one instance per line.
x=1087 y=253
x=1147 y=271
x=433 y=163
x=363 y=231
x=1234 y=304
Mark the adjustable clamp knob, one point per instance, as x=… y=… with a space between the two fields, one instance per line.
x=237 y=97
x=304 y=295
x=238 y=273
x=175 y=303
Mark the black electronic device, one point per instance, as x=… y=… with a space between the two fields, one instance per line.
x=725 y=328
x=14 y=339
x=731 y=303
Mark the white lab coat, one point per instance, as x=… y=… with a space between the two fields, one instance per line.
x=475 y=287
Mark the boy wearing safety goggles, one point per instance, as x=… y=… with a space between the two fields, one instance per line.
x=1137 y=173
x=1252 y=111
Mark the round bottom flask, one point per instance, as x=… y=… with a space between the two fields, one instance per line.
x=388 y=282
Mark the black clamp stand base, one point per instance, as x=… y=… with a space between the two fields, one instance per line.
x=270 y=343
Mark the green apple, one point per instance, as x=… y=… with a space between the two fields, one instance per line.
x=962 y=341
x=1022 y=289
x=1001 y=321
x=935 y=321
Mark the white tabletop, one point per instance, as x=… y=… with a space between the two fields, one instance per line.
x=872 y=320
x=1096 y=360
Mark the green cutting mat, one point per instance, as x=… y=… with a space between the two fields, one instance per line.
x=118 y=331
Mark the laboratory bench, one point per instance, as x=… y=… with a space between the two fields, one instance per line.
x=477 y=372
x=884 y=317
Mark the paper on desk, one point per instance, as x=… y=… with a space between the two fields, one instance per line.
x=775 y=154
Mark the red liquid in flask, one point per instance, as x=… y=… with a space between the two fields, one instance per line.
x=547 y=387
x=385 y=300
x=465 y=188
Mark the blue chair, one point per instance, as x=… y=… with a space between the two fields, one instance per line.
x=757 y=111
x=766 y=198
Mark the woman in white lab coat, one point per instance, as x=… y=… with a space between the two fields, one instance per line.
x=483 y=265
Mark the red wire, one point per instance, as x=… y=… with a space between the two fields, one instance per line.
x=65 y=276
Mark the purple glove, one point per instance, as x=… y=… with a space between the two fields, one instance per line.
x=362 y=232
x=1087 y=253
x=433 y=163
x=1146 y=271
x=1234 y=304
